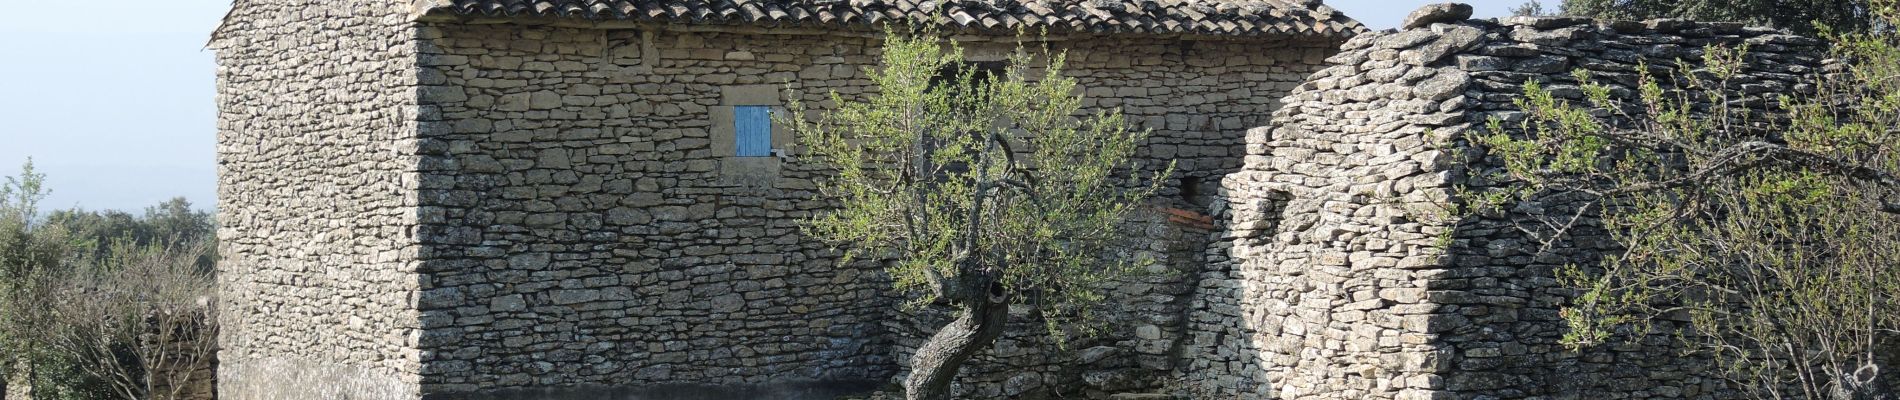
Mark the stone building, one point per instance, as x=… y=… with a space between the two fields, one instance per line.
x=515 y=199
x=548 y=199
x=1348 y=277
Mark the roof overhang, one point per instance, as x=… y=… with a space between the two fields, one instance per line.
x=1201 y=19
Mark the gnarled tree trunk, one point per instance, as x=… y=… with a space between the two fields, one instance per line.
x=979 y=323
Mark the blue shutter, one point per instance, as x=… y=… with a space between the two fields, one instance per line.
x=754 y=130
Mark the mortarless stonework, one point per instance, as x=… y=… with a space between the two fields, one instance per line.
x=1348 y=278
x=436 y=208
x=529 y=207
x=584 y=223
x=318 y=172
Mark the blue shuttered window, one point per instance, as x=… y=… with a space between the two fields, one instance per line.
x=754 y=130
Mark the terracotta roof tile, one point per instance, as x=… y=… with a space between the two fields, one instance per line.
x=1190 y=17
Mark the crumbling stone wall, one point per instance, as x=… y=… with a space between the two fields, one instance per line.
x=200 y=375
x=1509 y=348
x=583 y=225
x=1349 y=278
x=1321 y=292
x=317 y=196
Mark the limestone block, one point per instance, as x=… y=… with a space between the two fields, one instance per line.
x=1437 y=13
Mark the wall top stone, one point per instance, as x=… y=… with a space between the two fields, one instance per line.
x=1437 y=13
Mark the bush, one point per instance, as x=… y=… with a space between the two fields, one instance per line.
x=101 y=305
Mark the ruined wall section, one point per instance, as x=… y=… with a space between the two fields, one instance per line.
x=1507 y=342
x=317 y=170
x=585 y=224
x=1318 y=289
x=1349 y=278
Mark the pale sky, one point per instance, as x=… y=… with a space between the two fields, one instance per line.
x=114 y=102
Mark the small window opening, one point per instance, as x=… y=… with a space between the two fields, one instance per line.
x=1190 y=187
x=753 y=128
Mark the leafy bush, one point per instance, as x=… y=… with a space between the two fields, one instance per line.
x=1766 y=222
x=101 y=304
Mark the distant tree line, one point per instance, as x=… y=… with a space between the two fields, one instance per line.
x=103 y=304
x=173 y=223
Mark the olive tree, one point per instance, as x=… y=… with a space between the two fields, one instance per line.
x=981 y=188
x=1770 y=224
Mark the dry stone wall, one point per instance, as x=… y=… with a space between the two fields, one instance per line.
x=317 y=180
x=531 y=210
x=1319 y=293
x=187 y=377
x=583 y=223
x=1348 y=278
x=1507 y=345
x=1143 y=321
x=584 y=230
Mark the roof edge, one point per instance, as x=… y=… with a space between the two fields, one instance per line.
x=420 y=9
x=1136 y=17
x=225 y=21
x=857 y=30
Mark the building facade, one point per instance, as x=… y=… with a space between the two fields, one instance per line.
x=569 y=199
x=501 y=199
